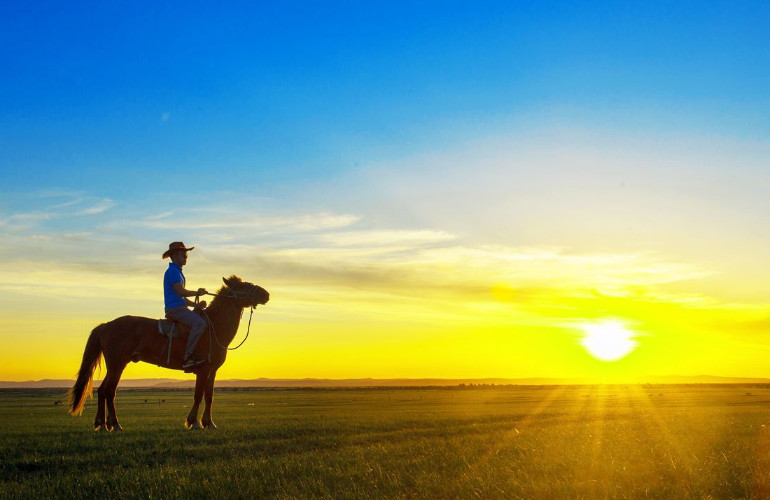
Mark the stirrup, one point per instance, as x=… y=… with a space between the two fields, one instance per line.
x=192 y=363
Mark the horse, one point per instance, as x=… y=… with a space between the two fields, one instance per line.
x=134 y=338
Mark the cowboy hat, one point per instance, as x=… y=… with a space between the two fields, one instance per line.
x=177 y=245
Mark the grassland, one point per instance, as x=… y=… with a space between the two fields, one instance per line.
x=504 y=442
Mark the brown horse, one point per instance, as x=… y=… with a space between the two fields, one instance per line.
x=133 y=338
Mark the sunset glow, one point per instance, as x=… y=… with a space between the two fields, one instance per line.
x=426 y=190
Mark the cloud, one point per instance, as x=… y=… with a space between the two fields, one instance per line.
x=74 y=205
x=593 y=192
x=25 y=220
x=162 y=215
x=385 y=238
x=66 y=204
x=286 y=223
x=101 y=206
x=341 y=251
x=446 y=283
x=546 y=227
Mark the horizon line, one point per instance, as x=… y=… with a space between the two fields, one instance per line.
x=369 y=382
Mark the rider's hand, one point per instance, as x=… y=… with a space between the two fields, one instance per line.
x=200 y=305
x=201 y=291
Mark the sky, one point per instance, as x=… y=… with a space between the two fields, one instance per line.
x=429 y=189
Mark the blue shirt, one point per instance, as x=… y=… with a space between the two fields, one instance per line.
x=173 y=275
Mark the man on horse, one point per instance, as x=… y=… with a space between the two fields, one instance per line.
x=177 y=303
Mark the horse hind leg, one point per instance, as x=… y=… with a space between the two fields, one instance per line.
x=111 y=381
x=100 y=421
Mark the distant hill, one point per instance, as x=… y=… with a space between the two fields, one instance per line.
x=167 y=383
x=358 y=382
x=702 y=379
x=63 y=383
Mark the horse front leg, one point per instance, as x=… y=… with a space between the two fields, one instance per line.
x=207 y=422
x=192 y=421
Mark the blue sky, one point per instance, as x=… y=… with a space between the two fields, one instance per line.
x=285 y=92
x=346 y=152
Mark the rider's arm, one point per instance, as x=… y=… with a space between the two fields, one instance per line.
x=183 y=292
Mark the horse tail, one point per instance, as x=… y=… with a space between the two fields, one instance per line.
x=92 y=357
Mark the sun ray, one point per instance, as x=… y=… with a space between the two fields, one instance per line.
x=674 y=449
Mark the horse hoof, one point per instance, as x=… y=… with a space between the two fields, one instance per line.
x=194 y=426
x=210 y=425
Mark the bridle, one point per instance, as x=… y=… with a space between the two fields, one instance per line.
x=232 y=294
x=238 y=294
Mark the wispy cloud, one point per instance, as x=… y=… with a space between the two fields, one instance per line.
x=74 y=205
x=162 y=215
x=66 y=204
x=24 y=220
x=385 y=238
x=301 y=223
x=101 y=206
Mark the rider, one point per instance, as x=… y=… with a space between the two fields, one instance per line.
x=177 y=303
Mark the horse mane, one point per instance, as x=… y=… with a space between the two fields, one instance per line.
x=233 y=279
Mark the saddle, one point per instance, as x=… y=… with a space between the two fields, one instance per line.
x=172 y=330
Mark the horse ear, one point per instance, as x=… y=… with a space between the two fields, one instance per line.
x=226 y=281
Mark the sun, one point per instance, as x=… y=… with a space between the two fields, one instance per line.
x=608 y=340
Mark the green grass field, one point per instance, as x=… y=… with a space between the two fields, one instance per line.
x=503 y=442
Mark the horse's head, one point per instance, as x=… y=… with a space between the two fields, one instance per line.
x=246 y=294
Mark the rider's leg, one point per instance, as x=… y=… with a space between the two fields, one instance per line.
x=196 y=323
